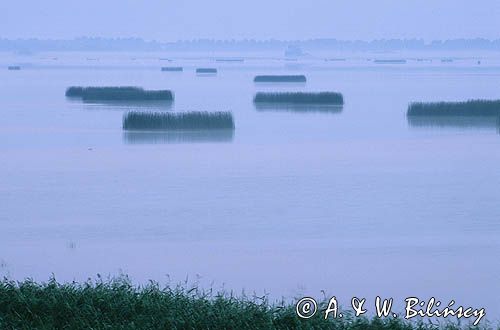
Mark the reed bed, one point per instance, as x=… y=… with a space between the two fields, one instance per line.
x=118 y=94
x=178 y=121
x=118 y=304
x=206 y=70
x=14 y=68
x=467 y=108
x=331 y=98
x=172 y=68
x=280 y=78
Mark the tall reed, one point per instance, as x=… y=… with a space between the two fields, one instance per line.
x=118 y=304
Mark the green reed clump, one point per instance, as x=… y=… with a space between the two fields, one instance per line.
x=14 y=68
x=172 y=68
x=178 y=121
x=118 y=94
x=117 y=304
x=331 y=98
x=467 y=108
x=280 y=78
x=206 y=70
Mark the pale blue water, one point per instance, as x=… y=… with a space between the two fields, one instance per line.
x=360 y=202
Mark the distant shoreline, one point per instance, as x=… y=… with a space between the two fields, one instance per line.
x=137 y=44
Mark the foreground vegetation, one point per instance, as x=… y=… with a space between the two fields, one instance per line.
x=118 y=94
x=117 y=304
x=178 y=121
x=331 y=98
x=290 y=78
x=467 y=108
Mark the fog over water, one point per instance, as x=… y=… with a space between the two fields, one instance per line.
x=356 y=199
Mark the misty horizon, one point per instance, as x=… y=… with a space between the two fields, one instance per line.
x=139 y=44
x=224 y=20
x=195 y=39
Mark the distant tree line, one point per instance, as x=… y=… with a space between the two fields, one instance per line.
x=137 y=44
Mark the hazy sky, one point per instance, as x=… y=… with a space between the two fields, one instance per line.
x=261 y=19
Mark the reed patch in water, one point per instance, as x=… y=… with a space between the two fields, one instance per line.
x=172 y=68
x=388 y=61
x=178 y=121
x=330 y=98
x=467 y=108
x=280 y=78
x=118 y=94
x=206 y=70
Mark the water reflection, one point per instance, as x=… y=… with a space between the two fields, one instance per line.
x=286 y=84
x=124 y=105
x=206 y=74
x=459 y=122
x=162 y=137
x=293 y=107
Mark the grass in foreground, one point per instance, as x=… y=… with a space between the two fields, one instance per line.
x=178 y=121
x=118 y=94
x=467 y=108
x=331 y=98
x=117 y=304
x=286 y=78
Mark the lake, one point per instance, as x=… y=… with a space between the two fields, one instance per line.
x=358 y=201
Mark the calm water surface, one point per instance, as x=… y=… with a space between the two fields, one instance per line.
x=358 y=202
